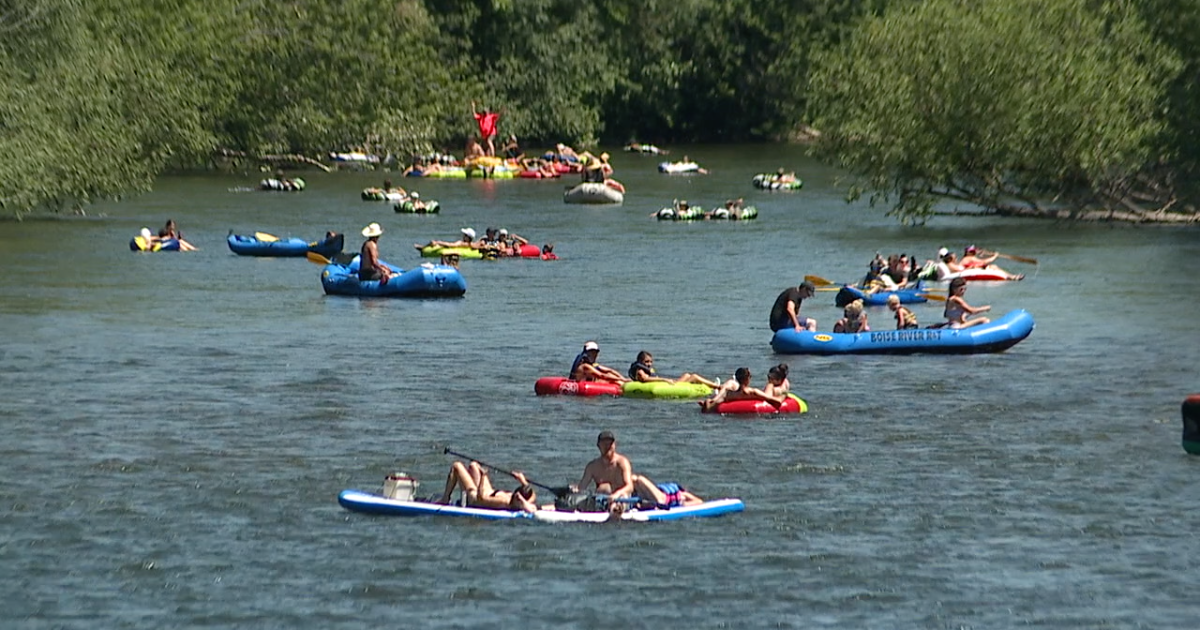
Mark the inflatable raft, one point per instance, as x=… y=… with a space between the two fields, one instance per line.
x=282 y=185
x=561 y=386
x=792 y=404
x=409 y=207
x=749 y=213
x=692 y=213
x=770 y=181
x=379 y=194
x=996 y=336
x=243 y=245
x=593 y=193
x=849 y=293
x=443 y=172
x=140 y=244
x=636 y=389
x=976 y=275
x=427 y=280
x=678 y=167
x=431 y=251
x=367 y=503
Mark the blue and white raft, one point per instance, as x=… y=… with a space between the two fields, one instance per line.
x=367 y=503
x=427 y=280
x=251 y=245
x=995 y=336
x=848 y=293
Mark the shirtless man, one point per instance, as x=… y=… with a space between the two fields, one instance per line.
x=369 y=266
x=611 y=472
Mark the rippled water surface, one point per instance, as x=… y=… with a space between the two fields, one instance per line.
x=177 y=426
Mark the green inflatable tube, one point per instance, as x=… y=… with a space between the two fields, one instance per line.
x=463 y=252
x=658 y=389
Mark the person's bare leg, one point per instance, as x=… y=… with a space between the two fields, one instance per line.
x=459 y=477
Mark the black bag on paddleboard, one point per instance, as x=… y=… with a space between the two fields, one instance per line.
x=581 y=502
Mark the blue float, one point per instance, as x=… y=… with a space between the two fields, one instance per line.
x=244 y=245
x=427 y=280
x=849 y=293
x=996 y=336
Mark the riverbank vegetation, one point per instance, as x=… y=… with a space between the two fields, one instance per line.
x=1029 y=107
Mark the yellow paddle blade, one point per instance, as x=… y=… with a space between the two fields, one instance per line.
x=935 y=298
x=819 y=281
x=263 y=236
x=317 y=258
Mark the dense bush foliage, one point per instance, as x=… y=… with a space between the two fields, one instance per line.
x=1089 y=103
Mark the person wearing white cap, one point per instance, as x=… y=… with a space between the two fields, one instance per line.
x=585 y=367
x=467 y=241
x=510 y=244
x=947 y=264
x=369 y=266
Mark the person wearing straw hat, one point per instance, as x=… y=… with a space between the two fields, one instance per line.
x=369 y=266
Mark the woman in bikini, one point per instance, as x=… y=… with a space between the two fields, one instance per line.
x=957 y=309
x=480 y=493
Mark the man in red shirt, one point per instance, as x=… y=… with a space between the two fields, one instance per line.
x=487 y=126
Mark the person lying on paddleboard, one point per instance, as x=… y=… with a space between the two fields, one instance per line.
x=585 y=368
x=477 y=486
x=738 y=388
x=642 y=370
x=663 y=495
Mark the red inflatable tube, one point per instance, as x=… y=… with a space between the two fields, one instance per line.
x=557 y=385
x=755 y=406
x=527 y=251
x=534 y=175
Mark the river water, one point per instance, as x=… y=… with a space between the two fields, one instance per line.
x=177 y=426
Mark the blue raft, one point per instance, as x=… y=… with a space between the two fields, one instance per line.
x=285 y=247
x=996 y=336
x=358 y=501
x=849 y=293
x=427 y=280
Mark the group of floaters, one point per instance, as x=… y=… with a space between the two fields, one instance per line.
x=587 y=377
x=168 y=239
x=733 y=210
x=895 y=282
x=495 y=243
x=779 y=180
x=404 y=201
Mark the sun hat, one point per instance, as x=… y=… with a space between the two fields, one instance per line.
x=591 y=345
x=942 y=252
x=372 y=230
x=470 y=233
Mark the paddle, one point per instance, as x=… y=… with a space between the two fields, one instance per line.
x=819 y=281
x=263 y=236
x=558 y=492
x=930 y=296
x=1032 y=261
x=826 y=285
x=317 y=258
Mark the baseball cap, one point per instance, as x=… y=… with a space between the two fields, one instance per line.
x=591 y=345
x=469 y=232
x=942 y=252
x=606 y=435
x=503 y=232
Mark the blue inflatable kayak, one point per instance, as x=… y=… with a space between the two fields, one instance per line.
x=427 y=280
x=243 y=245
x=996 y=336
x=358 y=501
x=849 y=293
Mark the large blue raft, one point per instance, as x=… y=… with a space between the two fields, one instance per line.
x=358 y=501
x=996 y=336
x=243 y=245
x=427 y=280
x=849 y=293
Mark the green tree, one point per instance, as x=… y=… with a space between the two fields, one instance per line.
x=1033 y=107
